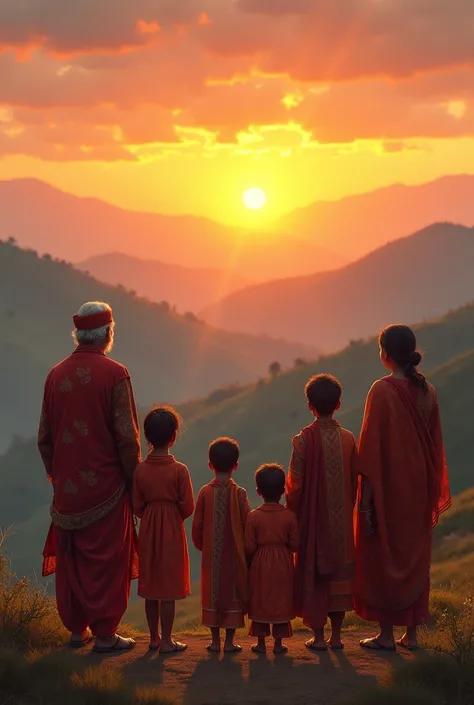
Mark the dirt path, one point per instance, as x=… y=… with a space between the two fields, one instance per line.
x=198 y=678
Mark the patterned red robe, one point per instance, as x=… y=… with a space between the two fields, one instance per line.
x=321 y=490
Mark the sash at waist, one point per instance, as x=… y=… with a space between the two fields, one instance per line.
x=74 y=522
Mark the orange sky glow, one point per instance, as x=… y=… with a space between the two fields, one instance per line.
x=180 y=107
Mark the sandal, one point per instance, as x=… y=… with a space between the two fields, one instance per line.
x=121 y=644
x=408 y=647
x=80 y=643
x=310 y=645
x=178 y=647
x=374 y=644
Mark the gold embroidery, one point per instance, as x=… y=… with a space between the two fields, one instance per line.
x=88 y=477
x=221 y=502
x=81 y=427
x=70 y=487
x=335 y=483
x=124 y=423
x=72 y=522
x=84 y=374
x=66 y=437
x=65 y=385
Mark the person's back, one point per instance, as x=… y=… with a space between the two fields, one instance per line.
x=162 y=498
x=404 y=488
x=82 y=394
x=321 y=490
x=89 y=441
x=271 y=538
x=219 y=521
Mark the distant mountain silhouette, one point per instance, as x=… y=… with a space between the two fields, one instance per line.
x=414 y=278
x=49 y=220
x=171 y=357
x=187 y=289
x=356 y=225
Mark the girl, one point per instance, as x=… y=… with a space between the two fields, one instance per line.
x=162 y=499
x=271 y=538
x=404 y=490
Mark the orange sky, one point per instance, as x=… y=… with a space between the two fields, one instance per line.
x=180 y=106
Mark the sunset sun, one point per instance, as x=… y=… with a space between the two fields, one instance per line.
x=254 y=198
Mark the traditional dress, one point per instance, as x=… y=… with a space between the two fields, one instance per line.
x=163 y=498
x=89 y=442
x=219 y=532
x=271 y=538
x=321 y=490
x=401 y=454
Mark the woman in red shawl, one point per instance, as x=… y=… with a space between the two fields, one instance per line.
x=404 y=489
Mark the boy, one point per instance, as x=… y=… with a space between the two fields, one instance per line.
x=271 y=538
x=219 y=521
x=321 y=490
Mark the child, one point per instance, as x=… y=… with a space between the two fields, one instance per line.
x=219 y=532
x=271 y=538
x=162 y=499
x=321 y=490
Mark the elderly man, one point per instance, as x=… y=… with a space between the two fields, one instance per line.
x=89 y=442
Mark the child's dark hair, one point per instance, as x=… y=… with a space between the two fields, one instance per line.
x=399 y=342
x=323 y=393
x=224 y=454
x=270 y=480
x=161 y=424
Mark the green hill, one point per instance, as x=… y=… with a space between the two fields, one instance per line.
x=264 y=417
x=171 y=357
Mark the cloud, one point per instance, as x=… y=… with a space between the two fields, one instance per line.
x=78 y=27
x=100 y=79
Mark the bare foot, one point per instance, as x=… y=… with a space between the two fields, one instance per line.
x=172 y=647
x=314 y=645
x=335 y=644
x=232 y=648
x=214 y=647
x=155 y=645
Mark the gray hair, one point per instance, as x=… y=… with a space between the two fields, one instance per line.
x=101 y=337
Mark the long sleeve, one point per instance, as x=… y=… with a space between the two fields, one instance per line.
x=138 y=500
x=295 y=477
x=45 y=437
x=198 y=523
x=186 y=494
x=293 y=535
x=244 y=506
x=251 y=545
x=354 y=474
x=125 y=420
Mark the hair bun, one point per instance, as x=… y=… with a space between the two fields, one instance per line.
x=415 y=358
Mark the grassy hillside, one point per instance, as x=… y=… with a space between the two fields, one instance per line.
x=170 y=357
x=264 y=417
x=415 y=278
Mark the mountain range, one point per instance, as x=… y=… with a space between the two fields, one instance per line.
x=171 y=357
x=50 y=221
x=414 y=278
x=356 y=225
x=186 y=288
